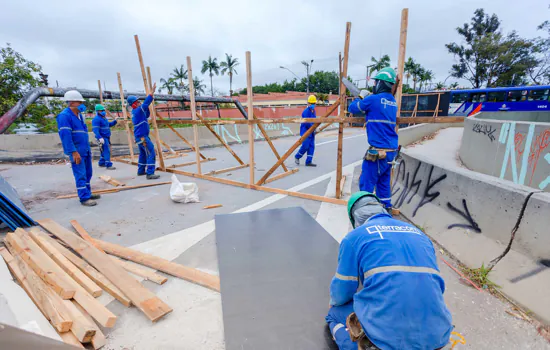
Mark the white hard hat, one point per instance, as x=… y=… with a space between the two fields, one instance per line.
x=73 y=95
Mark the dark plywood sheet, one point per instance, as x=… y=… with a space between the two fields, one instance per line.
x=275 y=269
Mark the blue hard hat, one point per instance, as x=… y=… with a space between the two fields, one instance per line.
x=131 y=99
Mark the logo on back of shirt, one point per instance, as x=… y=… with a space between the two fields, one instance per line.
x=387 y=102
x=379 y=229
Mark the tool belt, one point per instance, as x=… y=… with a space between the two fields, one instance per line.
x=141 y=140
x=373 y=154
x=357 y=334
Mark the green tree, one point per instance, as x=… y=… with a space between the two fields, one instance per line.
x=417 y=71
x=168 y=84
x=179 y=75
x=228 y=66
x=440 y=86
x=409 y=68
x=212 y=67
x=323 y=82
x=539 y=69
x=383 y=62
x=426 y=77
x=198 y=85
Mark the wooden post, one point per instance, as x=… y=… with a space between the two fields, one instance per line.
x=194 y=114
x=342 y=112
x=151 y=107
x=150 y=84
x=100 y=92
x=401 y=59
x=126 y=118
x=437 y=106
x=250 y=117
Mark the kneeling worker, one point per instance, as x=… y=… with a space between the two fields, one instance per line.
x=102 y=131
x=140 y=116
x=73 y=133
x=308 y=145
x=401 y=303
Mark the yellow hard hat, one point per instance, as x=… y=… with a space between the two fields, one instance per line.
x=312 y=99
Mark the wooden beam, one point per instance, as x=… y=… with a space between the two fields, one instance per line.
x=281 y=175
x=167 y=146
x=67 y=266
x=342 y=183
x=401 y=58
x=325 y=119
x=84 y=234
x=221 y=171
x=22 y=245
x=173 y=166
x=212 y=206
x=151 y=107
x=177 y=155
x=189 y=274
x=269 y=142
x=296 y=145
x=421 y=120
x=126 y=117
x=193 y=113
x=112 y=181
x=141 y=297
x=139 y=271
x=82 y=329
x=250 y=116
x=342 y=111
x=118 y=189
x=182 y=138
x=89 y=270
x=98 y=339
x=70 y=339
x=47 y=301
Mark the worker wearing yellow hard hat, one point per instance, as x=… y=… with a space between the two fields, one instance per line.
x=308 y=145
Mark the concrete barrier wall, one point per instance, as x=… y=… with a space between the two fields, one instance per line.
x=538 y=117
x=515 y=151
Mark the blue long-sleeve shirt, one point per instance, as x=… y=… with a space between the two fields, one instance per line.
x=73 y=133
x=401 y=304
x=381 y=117
x=307 y=113
x=102 y=127
x=139 y=119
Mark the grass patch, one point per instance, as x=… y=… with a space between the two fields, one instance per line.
x=480 y=276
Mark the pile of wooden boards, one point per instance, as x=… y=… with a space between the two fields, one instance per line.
x=63 y=273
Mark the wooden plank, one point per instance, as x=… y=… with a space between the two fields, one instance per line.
x=167 y=146
x=420 y=120
x=70 y=339
x=182 y=138
x=112 y=181
x=177 y=155
x=342 y=111
x=151 y=106
x=98 y=340
x=89 y=270
x=173 y=166
x=83 y=233
x=270 y=143
x=280 y=176
x=141 y=297
x=250 y=116
x=221 y=171
x=125 y=188
x=68 y=266
x=126 y=118
x=82 y=328
x=342 y=183
x=296 y=145
x=325 y=119
x=401 y=58
x=189 y=274
x=193 y=113
x=47 y=301
x=213 y=206
x=139 y=271
x=22 y=245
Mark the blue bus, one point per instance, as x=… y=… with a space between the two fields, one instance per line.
x=518 y=98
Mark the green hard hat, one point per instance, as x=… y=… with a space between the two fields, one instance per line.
x=386 y=74
x=354 y=198
x=99 y=108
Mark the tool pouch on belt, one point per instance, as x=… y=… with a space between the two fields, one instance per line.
x=354 y=327
x=374 y=154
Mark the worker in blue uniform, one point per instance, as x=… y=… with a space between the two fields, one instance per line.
x=140 y=116
x=401 y=304
x=381 y=115
x=73 y=133
x=102 y=131
x=308 y=145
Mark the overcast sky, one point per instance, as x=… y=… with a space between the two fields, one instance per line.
x=79 y=42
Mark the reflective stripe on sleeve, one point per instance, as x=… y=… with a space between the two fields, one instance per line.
x=346 y=278
x=359 y=106
x=337 y=328
x=380 y=121
x=138 y=124
x=65 y=128
x=413 y=269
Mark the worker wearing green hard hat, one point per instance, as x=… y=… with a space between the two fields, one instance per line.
x=101 y=128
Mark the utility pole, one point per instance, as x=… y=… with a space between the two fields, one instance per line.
x=308 y=70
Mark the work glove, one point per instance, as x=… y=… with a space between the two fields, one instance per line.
x=364 y=93
x=101 y=141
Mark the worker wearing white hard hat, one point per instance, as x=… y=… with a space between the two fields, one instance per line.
x=74 y=138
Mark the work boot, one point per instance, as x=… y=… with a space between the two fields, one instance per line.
x=140 y=174
x=297 y=161
x=111 y=168
x=89 y=203
x=311 y=164
x=95 y=196
x=152 y=176
x=101 y=165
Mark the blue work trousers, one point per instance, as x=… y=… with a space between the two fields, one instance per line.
x=377 y=175
x=82 y=175
x=105 y=155
x=336 y=320
x=307 y=146
x=147 y=157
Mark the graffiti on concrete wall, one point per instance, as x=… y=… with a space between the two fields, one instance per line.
x=230 y=133
x=523 y=152
x=410 y=186
x=485 y=129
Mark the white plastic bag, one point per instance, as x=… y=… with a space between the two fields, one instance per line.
x=181 y=192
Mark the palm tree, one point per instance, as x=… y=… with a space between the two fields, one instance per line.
x=181 y=75
x=228 y=66
x=454 y=85
x=198 y=85
x=426 y=76
x=417 y=72
x=440 y=86
x=169 y=85
x=409 y=68
x=383 y=62
x=211 y=65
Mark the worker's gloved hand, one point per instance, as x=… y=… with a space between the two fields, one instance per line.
x=364 y=93
x=76 y=158
x=101 y=141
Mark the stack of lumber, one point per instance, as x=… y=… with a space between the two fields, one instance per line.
x=63 y=273
x=12 y=210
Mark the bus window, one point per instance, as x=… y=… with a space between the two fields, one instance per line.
x=478 y=97
x=497 y=96
x=538 y=95
x=517 y=95
x=459 y=97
